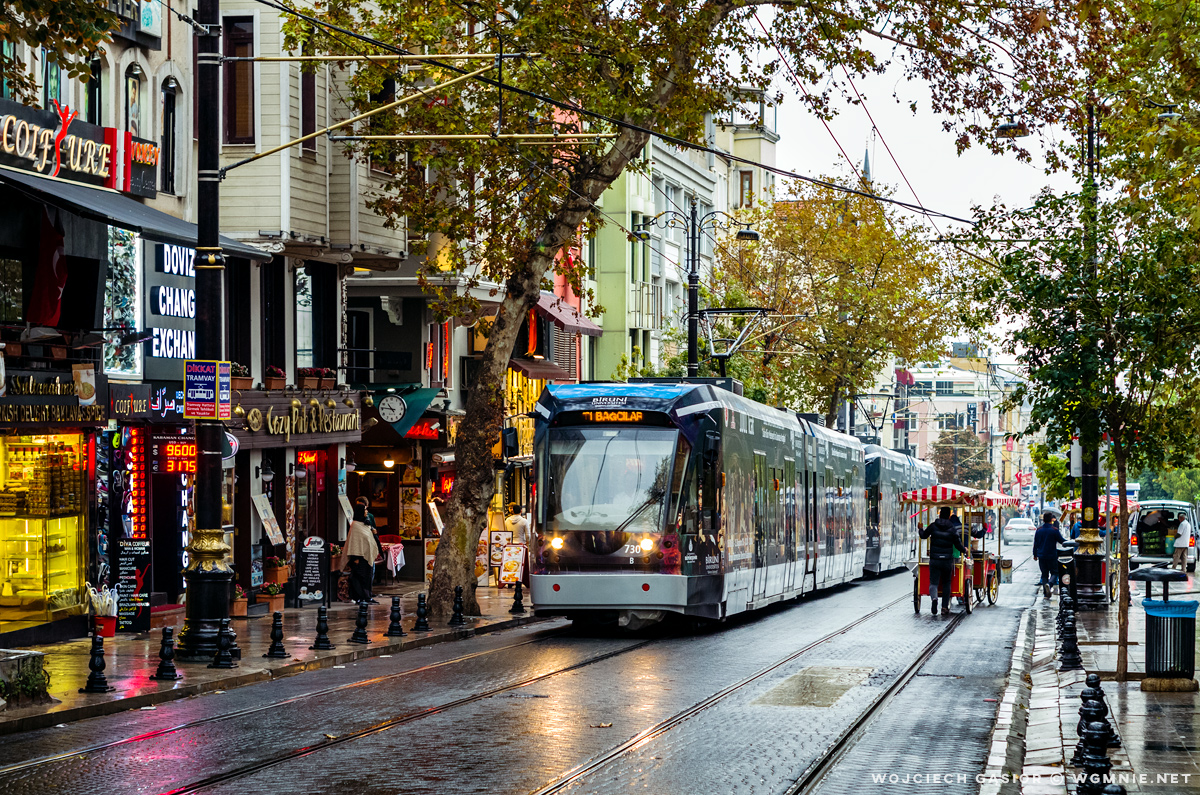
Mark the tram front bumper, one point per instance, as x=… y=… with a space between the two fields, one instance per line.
x=562 y=593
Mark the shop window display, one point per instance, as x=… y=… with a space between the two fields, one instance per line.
x=42 y=525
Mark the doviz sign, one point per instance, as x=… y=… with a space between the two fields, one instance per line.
x=206 y=390
x=170 y=314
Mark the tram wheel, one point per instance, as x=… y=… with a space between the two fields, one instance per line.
x=993 y=589
x=967 y=601
x=916 y=594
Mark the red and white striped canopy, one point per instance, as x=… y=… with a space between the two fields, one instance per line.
x=1107 y=503
x=953 y=494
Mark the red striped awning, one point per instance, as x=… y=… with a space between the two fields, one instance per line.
x=952 y=494
x=1107 y=504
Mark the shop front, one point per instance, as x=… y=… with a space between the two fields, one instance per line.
x=288 y=478
x=48 y=423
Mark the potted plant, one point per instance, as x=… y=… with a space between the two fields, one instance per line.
x=328 y=378
x=237 y=608
x=275 y=378
x=274 y=570
x=239 y=376
x=308 y=377
x=272 y=593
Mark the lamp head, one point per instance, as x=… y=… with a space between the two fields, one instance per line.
x=1012 y=129
x=747 y=235
x=641 y=234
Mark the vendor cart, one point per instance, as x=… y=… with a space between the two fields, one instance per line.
x=977 y=576
x=1110 y=515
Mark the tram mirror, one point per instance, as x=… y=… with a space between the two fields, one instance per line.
x=712 y=444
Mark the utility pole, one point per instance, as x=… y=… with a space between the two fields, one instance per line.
x=1088 y=560
x=693 y=255
x=208 y=575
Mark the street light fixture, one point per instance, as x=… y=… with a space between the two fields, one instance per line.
x=692 y=224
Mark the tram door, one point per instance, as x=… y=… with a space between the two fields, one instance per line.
x=763 y=495
x=789 y=524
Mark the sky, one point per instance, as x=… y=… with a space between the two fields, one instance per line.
x=942 y=179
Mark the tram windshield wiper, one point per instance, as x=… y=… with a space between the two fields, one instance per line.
x=656 y=495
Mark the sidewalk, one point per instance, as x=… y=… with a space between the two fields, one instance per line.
x=1160 y=753
x=132 y=659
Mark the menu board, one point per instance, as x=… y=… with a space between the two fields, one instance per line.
x=270 y=525
x=312 y=570
x=133 y=585
x=512 y=563
x=431 y=545
x=499 y=540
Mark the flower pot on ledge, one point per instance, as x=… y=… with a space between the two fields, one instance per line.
x=309 y=382
x=237 y=608
x=328 y=383
x=278 y=574
x=274 y=603
x=242 y=383
x=273 y=382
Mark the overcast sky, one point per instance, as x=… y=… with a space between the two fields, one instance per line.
x=942 y=179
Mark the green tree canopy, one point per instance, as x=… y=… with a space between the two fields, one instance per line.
x=1053 y=470
x=961 y=457
x=67 y=32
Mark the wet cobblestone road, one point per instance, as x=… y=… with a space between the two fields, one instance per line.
x=759 y=739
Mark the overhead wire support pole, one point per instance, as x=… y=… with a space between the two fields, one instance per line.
x=421 y=92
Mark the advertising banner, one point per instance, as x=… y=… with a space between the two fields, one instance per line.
x=206 y=390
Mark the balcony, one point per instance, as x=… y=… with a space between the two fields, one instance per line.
x=645 y=306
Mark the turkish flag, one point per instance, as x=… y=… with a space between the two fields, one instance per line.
x=45 y=306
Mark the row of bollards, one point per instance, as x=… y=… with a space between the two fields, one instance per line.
x=223 y=659
x=1068 y=654
x=1096 y=736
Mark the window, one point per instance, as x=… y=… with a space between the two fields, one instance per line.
x=945 y=387
x=385 y=156
x=51 y=81
x=133 y=100
x=94 y=110
x=239 y=81
x=12 y=294
x=746 y=190
x=167 y=184
x=8 y=53
x=304 y=319
x=308 y=108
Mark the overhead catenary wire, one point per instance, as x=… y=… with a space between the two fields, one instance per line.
x=680 y=142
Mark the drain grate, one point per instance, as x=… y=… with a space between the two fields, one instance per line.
x=814 y=687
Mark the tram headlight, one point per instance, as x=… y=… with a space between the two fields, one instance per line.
x=556 y=543
x=647 y=545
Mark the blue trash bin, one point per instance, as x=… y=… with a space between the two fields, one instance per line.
x=1170 y=638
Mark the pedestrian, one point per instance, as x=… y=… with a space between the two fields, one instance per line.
x=516 y=523
x=361 y=549
x=943 y=535
x=1045 y=551
x=1183 y=537
x=1076 y=526
x=370 y=522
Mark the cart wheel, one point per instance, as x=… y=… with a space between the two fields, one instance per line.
x=1114 y=587
x=916 y=594
x=967 y=601
x=993 y=589
x=978 y=596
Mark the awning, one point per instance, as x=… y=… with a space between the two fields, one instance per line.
x=1110 y=505
x=953 y=494
x=116 y=209
x=540 y=369
x=555 y=309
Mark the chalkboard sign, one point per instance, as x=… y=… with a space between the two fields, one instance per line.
x=133 y=584
x=313 y=571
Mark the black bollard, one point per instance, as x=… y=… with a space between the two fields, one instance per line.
x=1096 y=764
x=1089 y=711
x=422 y=624
x=1066 y=611
x=518 y=606
x=322 y=642
x=277 y=650
x=360 y=625
x=1093 y=682
x=395 y=628
x=456 y=618
x=1113 y=789
x=96 y=682
x=223 y=658
x=166 y=658
x=1085 y=695
x=1069 y=659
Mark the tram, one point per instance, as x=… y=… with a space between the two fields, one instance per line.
x=891 y=531
x=689 y=499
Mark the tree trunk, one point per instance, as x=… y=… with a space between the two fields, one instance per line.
x=474 y=485
x=1123 y=576
x=832 y=412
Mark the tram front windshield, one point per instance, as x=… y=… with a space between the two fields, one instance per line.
x=606 y=479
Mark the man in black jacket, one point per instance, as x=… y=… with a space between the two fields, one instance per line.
x=1045 y=551
x=943 y=535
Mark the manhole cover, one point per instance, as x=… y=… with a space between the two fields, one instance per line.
x=814 y=687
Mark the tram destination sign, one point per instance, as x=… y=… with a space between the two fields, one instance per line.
x=612 y=417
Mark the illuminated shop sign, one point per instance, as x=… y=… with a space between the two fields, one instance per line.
x=170 y=310
x=172 y=454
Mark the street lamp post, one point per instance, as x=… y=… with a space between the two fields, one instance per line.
x=692 y=224
x=208 y=575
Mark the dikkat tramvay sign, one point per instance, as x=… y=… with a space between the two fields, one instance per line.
x=56 y=144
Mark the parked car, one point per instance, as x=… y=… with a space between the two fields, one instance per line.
x=1152 y=542
x=1018 y=530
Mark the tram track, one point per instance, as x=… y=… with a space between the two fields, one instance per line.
x=31 y=764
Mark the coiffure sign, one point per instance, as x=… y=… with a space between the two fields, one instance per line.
x=56 y=144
